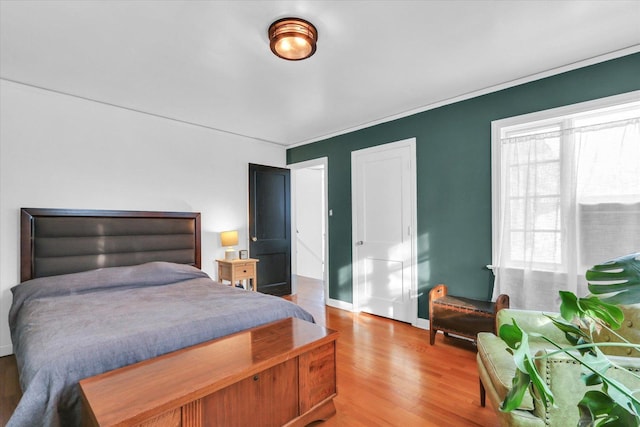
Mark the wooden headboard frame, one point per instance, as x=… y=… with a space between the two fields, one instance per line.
x=61 y=241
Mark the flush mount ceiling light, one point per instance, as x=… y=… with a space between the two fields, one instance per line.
x=293 y=38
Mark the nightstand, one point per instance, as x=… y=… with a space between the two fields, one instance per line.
x=239 y=270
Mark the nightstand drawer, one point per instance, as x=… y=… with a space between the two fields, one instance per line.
x=244 y=270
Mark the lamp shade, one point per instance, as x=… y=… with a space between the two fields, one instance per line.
x=229 y=238
x=293 y=38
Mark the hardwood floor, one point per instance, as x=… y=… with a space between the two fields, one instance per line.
x=388 y=374
x=9 y=388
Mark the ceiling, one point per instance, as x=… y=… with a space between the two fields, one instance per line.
x=208 y=62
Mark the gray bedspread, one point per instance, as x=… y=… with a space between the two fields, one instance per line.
x=69 y=327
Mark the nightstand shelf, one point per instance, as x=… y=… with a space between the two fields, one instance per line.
x=239 y=270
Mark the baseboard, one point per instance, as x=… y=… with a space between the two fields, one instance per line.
x=6 y=350
x=336 y=303
x=422 y=323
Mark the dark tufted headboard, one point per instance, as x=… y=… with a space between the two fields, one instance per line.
x=61 y=241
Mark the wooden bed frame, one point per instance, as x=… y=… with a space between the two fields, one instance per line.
x=61 y=241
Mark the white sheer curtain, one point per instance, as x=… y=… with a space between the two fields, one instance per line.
x=569 y=199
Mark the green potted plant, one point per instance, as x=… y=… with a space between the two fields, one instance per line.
x=611 y=284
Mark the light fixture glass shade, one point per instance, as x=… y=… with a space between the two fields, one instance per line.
x=229 y=238
x=293 y=38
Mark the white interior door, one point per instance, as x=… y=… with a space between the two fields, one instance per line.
x=383 y=196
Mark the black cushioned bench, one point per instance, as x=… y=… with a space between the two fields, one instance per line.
x=462 y=316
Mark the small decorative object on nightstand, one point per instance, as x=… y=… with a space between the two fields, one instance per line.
x=239 y=270
x=244 y=254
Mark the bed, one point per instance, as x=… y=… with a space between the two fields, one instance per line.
x=105 y=289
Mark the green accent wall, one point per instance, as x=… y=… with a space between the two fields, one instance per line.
x=453 y=149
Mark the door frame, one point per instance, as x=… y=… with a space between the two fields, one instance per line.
x=321 y=161
x=355 y=289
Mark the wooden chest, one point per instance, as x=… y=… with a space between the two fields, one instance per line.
x=283 y=373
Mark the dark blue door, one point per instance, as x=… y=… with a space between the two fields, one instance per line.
x=270 y=227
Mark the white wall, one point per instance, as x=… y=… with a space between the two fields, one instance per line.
x=309 y=221
x=58 y=151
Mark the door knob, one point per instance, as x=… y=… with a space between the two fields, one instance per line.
x=254 y=239
x=359 y=243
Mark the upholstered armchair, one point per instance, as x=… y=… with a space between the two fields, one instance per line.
x=497 y=369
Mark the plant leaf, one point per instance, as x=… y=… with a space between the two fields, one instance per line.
x=567 y=328
x=519 y=385
x=631 y=296
x=619 y=398
x=569 y=307
x=594 y=404
x=511 y=334
x=597 y=408
x=595 y=308
x=539 y=384
x=597 y=361
x=526 y=372
x=620 y=275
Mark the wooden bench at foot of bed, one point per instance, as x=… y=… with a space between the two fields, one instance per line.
x=283 y=373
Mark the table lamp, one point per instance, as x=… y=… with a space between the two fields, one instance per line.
x=229 y=239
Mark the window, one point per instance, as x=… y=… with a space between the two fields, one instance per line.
x=566 y=194
x=532 y=173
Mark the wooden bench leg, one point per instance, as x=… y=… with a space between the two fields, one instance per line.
x=483 y=394
x=439 y=291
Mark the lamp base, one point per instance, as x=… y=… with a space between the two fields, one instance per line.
x=230 y=255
